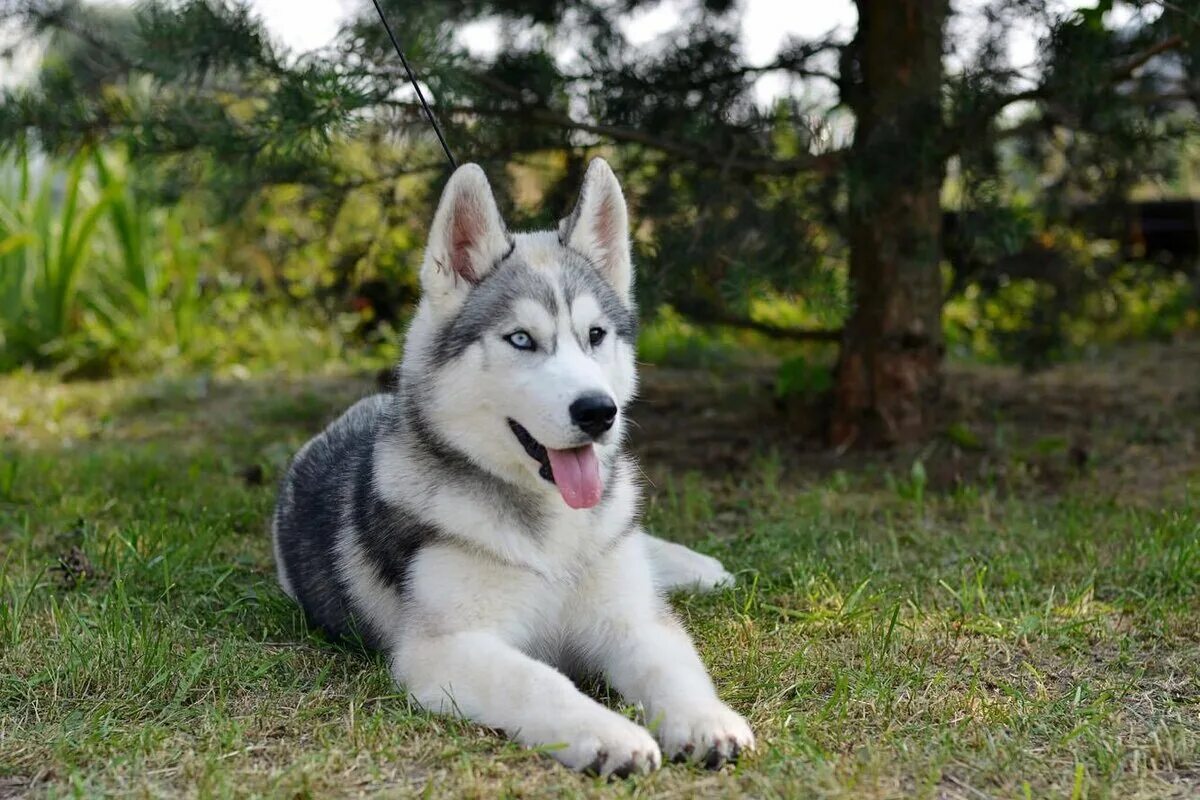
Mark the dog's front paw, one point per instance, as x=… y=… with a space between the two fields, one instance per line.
x=611 y=747
x=710 y=734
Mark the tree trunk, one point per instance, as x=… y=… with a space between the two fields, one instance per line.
x=889 y=372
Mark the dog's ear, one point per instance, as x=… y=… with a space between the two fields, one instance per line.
x=468 y=237
x=599 y=226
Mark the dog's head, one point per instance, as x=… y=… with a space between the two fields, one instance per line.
x=522 y=350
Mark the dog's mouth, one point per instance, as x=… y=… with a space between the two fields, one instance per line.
x=535 y=449
x=575 y=471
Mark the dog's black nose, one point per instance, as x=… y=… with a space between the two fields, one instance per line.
x=594 y=413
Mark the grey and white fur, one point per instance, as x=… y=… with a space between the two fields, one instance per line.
x=480 y=525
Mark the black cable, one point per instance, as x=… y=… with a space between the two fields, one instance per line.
x=413 y=80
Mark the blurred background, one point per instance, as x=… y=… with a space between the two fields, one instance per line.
x=838 y=203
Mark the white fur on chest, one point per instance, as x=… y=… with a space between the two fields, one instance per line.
x=566 y=541
x=492 y=574
x=453 y=590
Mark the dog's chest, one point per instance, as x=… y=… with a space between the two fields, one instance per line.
x=570 y=541
x=530 y=604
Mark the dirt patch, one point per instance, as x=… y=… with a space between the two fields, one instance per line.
x=1129 y=421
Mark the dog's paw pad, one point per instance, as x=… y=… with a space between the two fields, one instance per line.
x=684 y=754
x=711 y=737
x=616 y=750
x=723 y=752
x=627 y=769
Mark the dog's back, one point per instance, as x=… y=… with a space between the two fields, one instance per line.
x=315 y=500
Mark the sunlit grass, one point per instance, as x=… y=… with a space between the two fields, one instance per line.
x=883 y=642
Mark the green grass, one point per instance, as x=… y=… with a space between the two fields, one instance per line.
x=883 y=641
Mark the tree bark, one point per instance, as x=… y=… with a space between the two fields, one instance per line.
x=889 y=373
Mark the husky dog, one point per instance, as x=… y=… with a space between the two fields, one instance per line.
x=481 y=526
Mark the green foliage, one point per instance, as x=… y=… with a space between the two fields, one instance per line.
x=96 y=278
x=1027 y=322
x=911 y=487
x=79 y=284
x=319 y=172
x=47 y=223
x=962 y=437
x=1041 y=248
x=232 y=113
x=798 y=376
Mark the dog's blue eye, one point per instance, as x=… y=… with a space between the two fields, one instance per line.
x=596 y=336
x=521 y=340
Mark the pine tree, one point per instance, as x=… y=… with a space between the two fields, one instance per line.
x=733 y=200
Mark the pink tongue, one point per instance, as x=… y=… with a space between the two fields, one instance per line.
x=577 y=475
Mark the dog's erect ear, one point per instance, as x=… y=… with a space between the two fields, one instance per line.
x=599 y=226
x=467 y=238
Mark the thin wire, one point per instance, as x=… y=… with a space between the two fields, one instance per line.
x=413 y=80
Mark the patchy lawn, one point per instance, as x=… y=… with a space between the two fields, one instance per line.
x=1012 y=611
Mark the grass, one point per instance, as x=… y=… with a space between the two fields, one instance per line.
x=96 y=280
x=88 y=269
x=884 y=640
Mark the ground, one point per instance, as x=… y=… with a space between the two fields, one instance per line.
x=1011 y=611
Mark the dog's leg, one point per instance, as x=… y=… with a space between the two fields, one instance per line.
x=648 y=657
x=655 y=664
x=482 y=678
x=677 y=567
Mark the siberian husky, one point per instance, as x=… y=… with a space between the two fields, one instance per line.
x=480 y=525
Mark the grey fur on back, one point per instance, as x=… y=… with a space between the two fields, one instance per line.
x=318 y=500
x=330 y=498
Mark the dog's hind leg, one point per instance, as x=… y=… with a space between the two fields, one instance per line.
x=479 y=676
x=677 y=567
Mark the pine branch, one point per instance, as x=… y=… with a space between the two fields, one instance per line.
x=1118 y=75
x=1179 y=95
x=823 y=163
x=704 y=315
x=59 y=18
x=793 y=62
x=1126 y=71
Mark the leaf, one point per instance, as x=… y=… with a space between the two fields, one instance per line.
x=918 y=475
x=796 y=376
x=963 y=437
x=1049 y=445
x=14 y=242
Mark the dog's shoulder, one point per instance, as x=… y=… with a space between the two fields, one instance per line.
x=349 y=434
